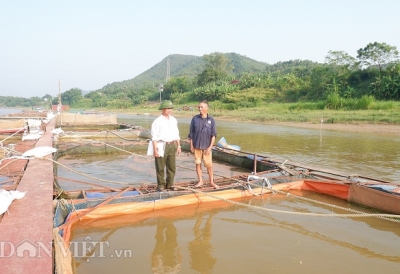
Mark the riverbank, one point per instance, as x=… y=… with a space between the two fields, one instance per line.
x=351 y=126
x=384 y=129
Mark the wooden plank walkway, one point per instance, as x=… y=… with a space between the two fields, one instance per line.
x=26 y=233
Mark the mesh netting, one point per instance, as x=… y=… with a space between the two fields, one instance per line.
x=64 y=209
x=83 y=119
x=12 y=124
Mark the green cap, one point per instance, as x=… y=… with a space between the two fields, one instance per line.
x=166 y=104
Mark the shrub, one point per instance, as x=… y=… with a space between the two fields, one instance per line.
x=334 y=101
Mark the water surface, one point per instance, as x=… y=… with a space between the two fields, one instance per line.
x=4 y=111
x=238 y=239
x=252 y=237
x=350 y=153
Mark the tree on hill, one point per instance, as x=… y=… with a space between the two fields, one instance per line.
x=218 y=66
x=177 y=88
x=71 y=97
x=238 y=81
x=342 y=60
x=242 y=64
x=377 y=54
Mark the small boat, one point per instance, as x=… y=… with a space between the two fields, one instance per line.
x=235 y=157
x=89 y=112
x=12 y=130
x=12 y=126
x=224 y=144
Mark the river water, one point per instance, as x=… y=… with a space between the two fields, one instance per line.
x=4 y=111
x=226 y=238
x=350 y=153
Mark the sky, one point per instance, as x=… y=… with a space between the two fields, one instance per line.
x=47 y=47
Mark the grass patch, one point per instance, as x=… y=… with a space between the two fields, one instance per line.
x=379 y=112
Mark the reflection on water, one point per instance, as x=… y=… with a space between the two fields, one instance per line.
x=166 y=257
x=200 y=249
x=226 y=238
x=4 y=111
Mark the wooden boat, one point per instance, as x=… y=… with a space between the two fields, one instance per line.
x=235 y=158
x=90 y=112
x=12 y=130
x=12 y=126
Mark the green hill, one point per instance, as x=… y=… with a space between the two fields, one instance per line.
x=182 y=65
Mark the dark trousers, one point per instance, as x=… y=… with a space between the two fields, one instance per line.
x=168 y=163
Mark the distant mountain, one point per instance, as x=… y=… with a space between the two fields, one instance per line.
x=185 y=65
x=245 y=64
x=179 y=65
x=84 y=92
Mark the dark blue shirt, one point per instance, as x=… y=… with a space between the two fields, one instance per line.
x=201 y=130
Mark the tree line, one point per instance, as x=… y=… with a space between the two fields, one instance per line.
x=374 y=73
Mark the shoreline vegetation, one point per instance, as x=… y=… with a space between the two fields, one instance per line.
x=381 y=122
x=362 y=121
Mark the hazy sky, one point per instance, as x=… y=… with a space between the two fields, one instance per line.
x=88 y=44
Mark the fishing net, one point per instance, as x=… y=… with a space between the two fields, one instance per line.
x=83 y=119
x=13 y=124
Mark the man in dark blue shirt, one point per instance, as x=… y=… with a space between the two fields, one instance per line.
x=202 y=134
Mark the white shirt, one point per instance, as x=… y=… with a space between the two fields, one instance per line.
x=165 y=129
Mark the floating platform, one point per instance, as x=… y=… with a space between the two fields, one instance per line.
x=27 y=231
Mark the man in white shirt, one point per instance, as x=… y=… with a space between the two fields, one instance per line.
x=166 y=142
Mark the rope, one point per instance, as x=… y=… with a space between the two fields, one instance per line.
x=358 y=215
x=380 y=216
x=82 y=174
x=119 y=136
x=12 y=134
x=64 y=204
x=83 y=182
x=91 y=141
x=9 y=150
x=14 y=159
x=138 y=155
x=59 y=194
x=78 y=217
